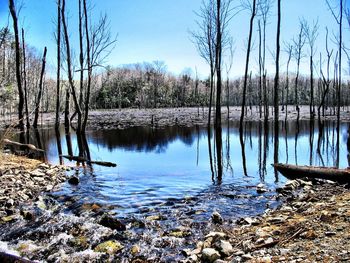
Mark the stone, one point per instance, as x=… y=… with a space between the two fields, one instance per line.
x=216 y=218
x=260 y=189
x=73 y=180
x=247 y=257
x=49 y=187
x=192 y=259
x=10 y=203
x=210 y=255
x=216 y=235
x=109 y=247
x=135 y=249
x=224 y=247
x=112 y=223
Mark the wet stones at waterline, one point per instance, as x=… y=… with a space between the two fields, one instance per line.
x=20 y=185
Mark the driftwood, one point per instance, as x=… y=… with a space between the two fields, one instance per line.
x=28 y=146
x=313 y=172
x=82 y=159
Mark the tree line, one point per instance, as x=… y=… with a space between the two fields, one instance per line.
x=79 y=86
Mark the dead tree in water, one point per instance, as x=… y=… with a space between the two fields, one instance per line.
x=38 y=100
x=289 y=51
x=311 y=36
x=69 y=66
x=204 y=40
x=25 y=80
x=298 y=55
x=58 y=81
x=264 y=10
x=276 y=84
x=253 y=14
x=18 y=65
x=325 y=79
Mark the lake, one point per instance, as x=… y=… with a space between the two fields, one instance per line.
x=157 y=168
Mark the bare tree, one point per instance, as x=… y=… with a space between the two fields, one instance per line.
x=38 y=101
x=69 y=66
x=298 y=55
x=289 y=51
x=311 y=33
x=264 y=10
x=253 y=14
x=205 y=42
x=325 y=79
x=338 y=17
x=277 y=79
x=25 y=80
x=18 y=65
x=58 y=82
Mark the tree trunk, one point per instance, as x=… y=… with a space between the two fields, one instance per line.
x=88 y=58
x=18 y=66
x=58 y=83
x=69 y=67
x=218 y=64
x=25 y=81
x=247 y=66
x=37 y=104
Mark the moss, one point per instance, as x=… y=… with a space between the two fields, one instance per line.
x=110 y=247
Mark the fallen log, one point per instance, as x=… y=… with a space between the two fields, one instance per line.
x=28 y=146
x=313 y=172
x=82 y=159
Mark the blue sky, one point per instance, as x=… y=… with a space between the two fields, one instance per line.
x=151 y=30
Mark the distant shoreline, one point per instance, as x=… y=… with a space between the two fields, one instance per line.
x=161 y=117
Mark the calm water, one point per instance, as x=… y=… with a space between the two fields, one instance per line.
x=162 y=167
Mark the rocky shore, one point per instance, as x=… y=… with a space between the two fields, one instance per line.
x=22 y=180
x=310 y=225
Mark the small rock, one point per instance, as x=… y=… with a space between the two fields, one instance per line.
x=210 y=255
x=216 y=235
x=27 y=215
x=224 y=247
x=330 y=233
x=216 y=218
x=112 y=223
x=192 y=259
x=247 y=257
x=135 y=249
x=276 y=220
x=109 y=247
x=10 y=203
x=73 y=180
x=260 y=189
